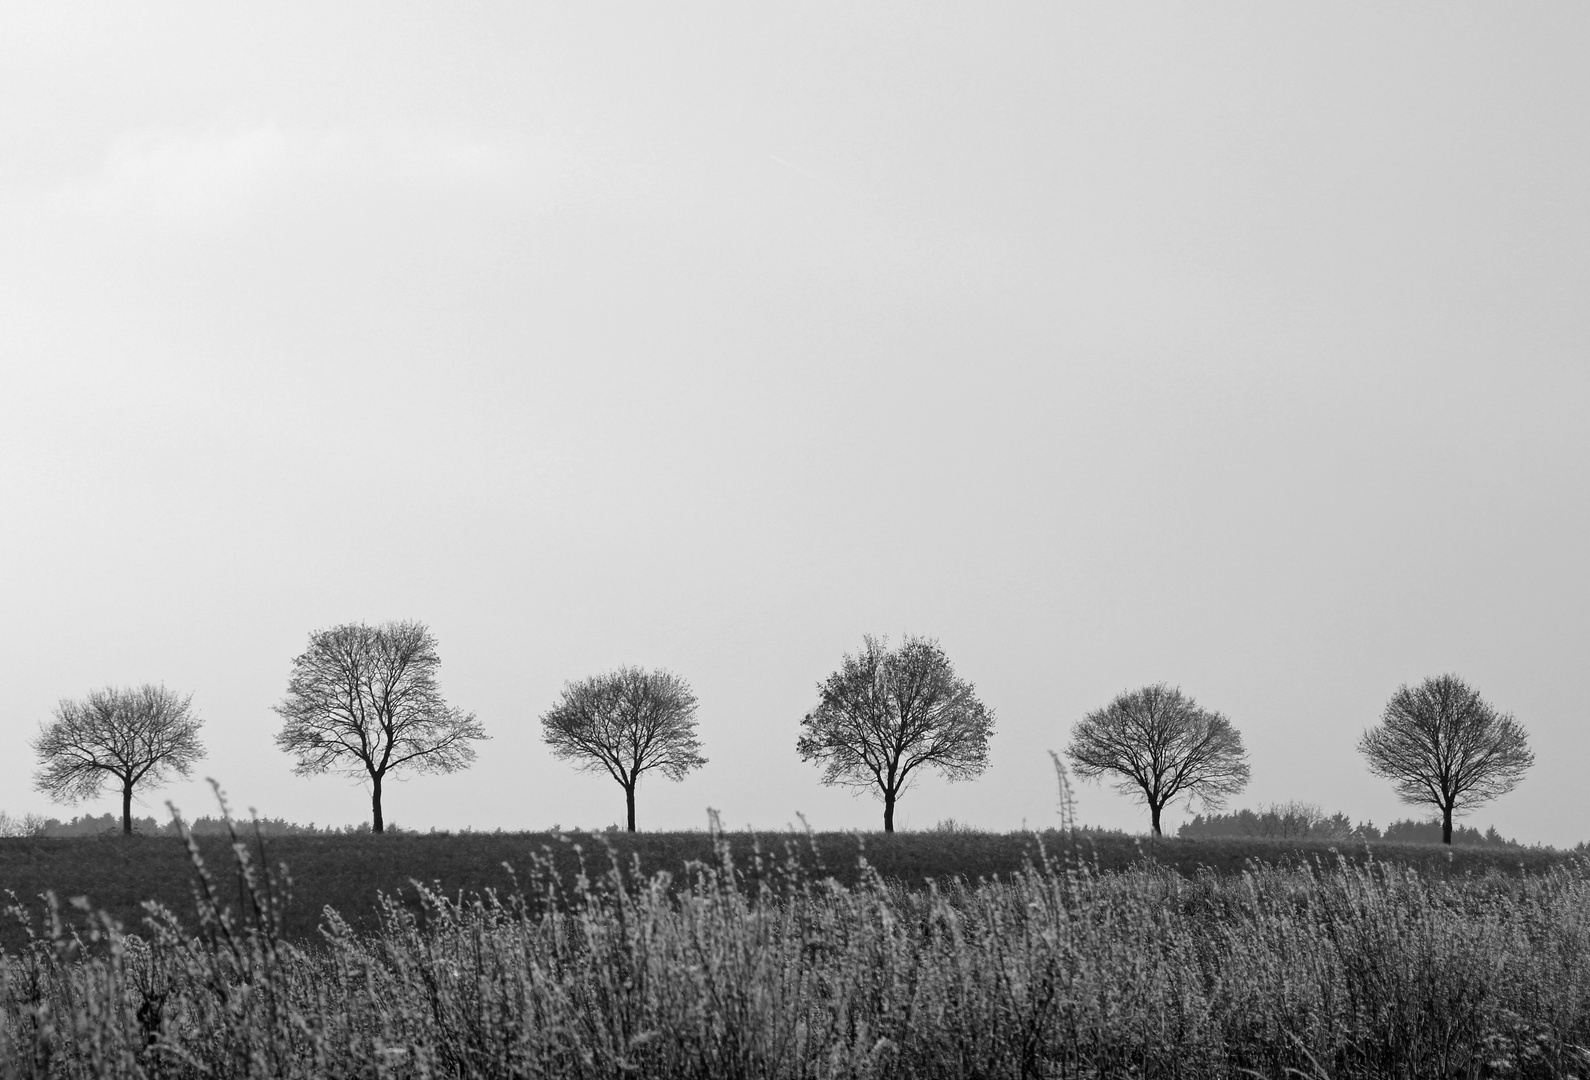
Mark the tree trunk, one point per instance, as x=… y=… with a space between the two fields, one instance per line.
x=629 y=804
x=1153 y=811
x=1446 y=824
x=126 y=808
x=888 y=811
x=377 y=824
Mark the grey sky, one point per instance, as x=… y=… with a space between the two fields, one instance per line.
x=1241 y=347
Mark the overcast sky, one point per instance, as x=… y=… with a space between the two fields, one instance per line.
x=1241 y=347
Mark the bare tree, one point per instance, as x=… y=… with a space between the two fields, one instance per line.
x=26 y=825
x=1441 y=743
x=885 y=714
x=363 y=701
x=626 y=723
x=1161 y=744
x=135 y=736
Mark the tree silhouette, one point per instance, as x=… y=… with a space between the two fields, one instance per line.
x=887 y=713
x=1441 y=743
x=363 y=701
x=626 y=723
x=136 y=736
x=1161 y=744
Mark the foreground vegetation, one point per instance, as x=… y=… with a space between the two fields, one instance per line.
x=753 y=965
x=116 y=875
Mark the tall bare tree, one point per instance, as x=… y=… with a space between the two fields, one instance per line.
x=1160 y=744
x=626 y=723
x=363 y=701
x=1441 y=743
x=134 y=736
x=888 y=713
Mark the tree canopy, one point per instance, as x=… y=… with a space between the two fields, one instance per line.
x=887 y=714
x=363 y=701
x=1441 y=743
x=136 y=736
x=627 y=723
x=1161 y=744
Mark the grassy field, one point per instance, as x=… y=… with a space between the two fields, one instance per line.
x=117 y=874
x=1095 y=960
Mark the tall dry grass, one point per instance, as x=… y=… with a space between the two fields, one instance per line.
x=1334 y=970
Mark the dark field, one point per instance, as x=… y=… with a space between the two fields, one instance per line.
x=118 y=874
x=944 y=955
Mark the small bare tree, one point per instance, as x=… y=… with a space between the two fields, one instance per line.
x=26 y=825
x=1161 y=744
x=888 y=713
x=135 y=736
x=626 y=723
x=363 y=701
x=1441 y=743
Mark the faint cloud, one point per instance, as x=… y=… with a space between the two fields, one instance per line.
x=170 y=177
x=173 y=178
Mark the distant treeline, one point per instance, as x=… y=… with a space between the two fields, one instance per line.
x=91 y=825
x=1281 y=821
x=1305 y=821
